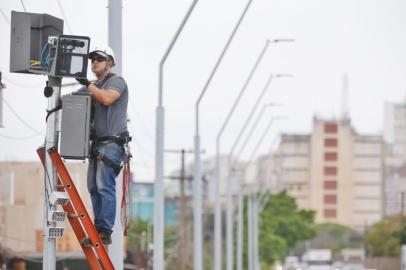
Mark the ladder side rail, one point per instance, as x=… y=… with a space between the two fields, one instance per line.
x=80 y=208
x=74 y=222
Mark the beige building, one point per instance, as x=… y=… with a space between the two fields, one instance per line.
x=22 y=206
x=395 y=161
x=334 y=170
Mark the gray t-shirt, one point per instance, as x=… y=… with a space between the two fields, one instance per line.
x=110 y=120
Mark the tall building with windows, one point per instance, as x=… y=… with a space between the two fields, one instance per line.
x=395 y=161
x=334 y=170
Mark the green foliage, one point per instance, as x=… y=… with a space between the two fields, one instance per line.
x=385 y=237
x=282 y=226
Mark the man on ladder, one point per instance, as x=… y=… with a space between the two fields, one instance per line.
x=110 y=137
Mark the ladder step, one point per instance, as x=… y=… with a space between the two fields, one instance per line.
x=73 y=215
x=86 y=242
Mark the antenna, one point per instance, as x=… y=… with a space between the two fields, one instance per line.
x=345 y=97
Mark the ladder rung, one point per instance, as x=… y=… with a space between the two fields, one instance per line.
x=73 y=215
x=87 y=242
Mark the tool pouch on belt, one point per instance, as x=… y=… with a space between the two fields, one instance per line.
x=107 y=161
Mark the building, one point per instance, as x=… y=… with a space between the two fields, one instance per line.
x=334 y=170
x=395 y=161
x=22 y=206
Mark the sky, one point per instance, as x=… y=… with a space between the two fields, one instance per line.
x=364 y=39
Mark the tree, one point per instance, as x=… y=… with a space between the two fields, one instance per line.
x=385 y=237
x=282 y=226
x=139 y=236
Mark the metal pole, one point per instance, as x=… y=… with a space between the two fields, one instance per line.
x=115 y=39
x=2 y=86
x=249 y=231
x=51 y=140
x=240 y=226
x=229 y=224
x=183 y=237
x=403 y=258
x=159 y=155
x=256 y=235
x=197 y=170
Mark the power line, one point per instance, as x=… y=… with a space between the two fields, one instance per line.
x=20 y=138
x=20 y=118
x=22 y=3
x=5 y=17
x=21 y=84
x=64 y=16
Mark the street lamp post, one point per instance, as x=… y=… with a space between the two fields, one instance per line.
x=159 y=157
x=197 y=227
x=229 y=198
x=229 y=213
x=254 y=229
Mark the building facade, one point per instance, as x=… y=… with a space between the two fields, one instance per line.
x=334 y=170
x=22 y=206
x=395 y=160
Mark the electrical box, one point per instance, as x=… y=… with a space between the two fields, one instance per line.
x=75 y=126
x=38 y=46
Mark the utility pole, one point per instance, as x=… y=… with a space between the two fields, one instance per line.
x=115 y=39
x=51 y=140
x=2 y=86
x=159 y=204
x=183 y=248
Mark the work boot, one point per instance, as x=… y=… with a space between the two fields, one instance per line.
x=105 y=237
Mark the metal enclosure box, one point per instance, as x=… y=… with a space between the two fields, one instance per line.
x=71 y=57
x=29 y=35
x=75 y=126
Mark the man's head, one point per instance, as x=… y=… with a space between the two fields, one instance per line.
x=102 y=59
x=17 y=264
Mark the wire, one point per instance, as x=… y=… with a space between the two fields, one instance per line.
x=5 y=17
x=22 y=3
x=20 y=138
x=22 y=85
x=64 y=16
x=20 y=118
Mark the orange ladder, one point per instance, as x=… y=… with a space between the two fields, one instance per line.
x=78 y=217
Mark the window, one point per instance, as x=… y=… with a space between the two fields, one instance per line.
x=330 y=128
x=330 y=199
x=330 y=213
x=330 y=142
x=329 y=156
x=330 y=170
x=330 y=185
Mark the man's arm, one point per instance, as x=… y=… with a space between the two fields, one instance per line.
x=105 y=97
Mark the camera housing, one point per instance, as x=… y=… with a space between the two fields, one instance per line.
x=38 y=46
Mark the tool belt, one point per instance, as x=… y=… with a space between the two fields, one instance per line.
x=121 y=139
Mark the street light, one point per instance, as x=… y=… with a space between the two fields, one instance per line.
x=253 y=232
x=159 y=157
x=229 y=221
x=197 y=213
x=229 y=261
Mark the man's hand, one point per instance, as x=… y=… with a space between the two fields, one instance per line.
x=84 y=82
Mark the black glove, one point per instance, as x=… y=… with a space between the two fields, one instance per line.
x=84 y=82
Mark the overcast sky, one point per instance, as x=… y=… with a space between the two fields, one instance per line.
x=363 y=38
